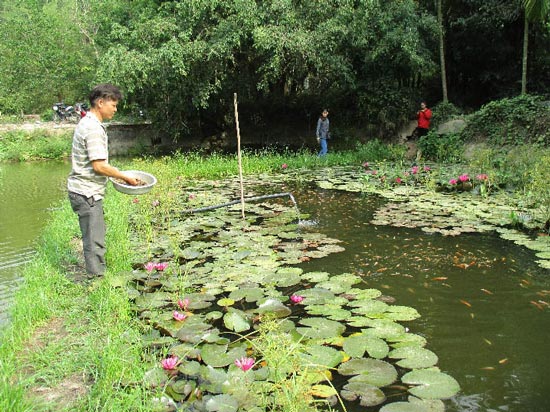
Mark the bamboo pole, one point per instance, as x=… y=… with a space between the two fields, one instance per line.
x=239 y=152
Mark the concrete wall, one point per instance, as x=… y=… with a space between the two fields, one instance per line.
x=127 y=139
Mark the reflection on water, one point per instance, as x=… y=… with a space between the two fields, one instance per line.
x=26 y=193
x=474 y=293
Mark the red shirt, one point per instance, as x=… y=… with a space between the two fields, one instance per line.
x=424 y=118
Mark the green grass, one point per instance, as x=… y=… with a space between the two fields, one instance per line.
x=100 y=343
x=36 y=145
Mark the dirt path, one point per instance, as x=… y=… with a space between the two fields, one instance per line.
x=36 y=125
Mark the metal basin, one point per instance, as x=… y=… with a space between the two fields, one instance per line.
x=148 y=178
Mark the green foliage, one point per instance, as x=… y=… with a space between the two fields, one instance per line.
x=182 y=59
x=34 y=145
x=442 y=148
x=45 y=58
x=443 y=112
x=375 y=151
x=514 y=121
x=538 y=186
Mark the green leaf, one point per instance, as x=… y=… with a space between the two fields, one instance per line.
x=414 y=357
x=320 y=328
x=368 y=395
x=402 y=407
x=324 y=356
x=236 y=322
x=222 y=403
x=372 y=371
x=432 y=384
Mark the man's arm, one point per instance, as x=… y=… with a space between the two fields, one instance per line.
x=318 y=129
x=103 y=168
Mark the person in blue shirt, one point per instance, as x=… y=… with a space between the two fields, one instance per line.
x=322 y=132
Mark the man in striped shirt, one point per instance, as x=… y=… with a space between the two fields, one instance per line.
x=90 y=172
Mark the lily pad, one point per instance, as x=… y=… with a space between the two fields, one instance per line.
x=316 y=277
x=248 y=294
x=372 y=371
x=320 y=328
x=222 y=403
x=324 y=356
x=401 y=313
x=236 y=321
x=217 y=356
x=413 y=357
x=383 y=328
x=275 y=307
x=432 y=384
x=369 y=395
x=402 y=407
x=356 y=345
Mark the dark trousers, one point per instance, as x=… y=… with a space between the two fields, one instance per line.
x=419 y=132
x=92 y=226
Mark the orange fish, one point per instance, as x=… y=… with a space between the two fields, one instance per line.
x=440 y=278
x=464 y=302
x=487 y=291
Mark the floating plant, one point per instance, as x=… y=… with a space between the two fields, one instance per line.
x=228 y=280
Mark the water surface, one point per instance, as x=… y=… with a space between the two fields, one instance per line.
x=27 y=192
x=474 y=293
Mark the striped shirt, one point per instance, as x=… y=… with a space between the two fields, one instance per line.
x=89 y=143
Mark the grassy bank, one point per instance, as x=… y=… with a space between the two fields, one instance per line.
x=70 y=345
x=40 y=144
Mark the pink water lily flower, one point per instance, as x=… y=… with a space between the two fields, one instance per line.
x=464 y=177
x=191 y=196
x=427 y=168
x=135 y=200
x=397 y=180
x=155 y=203
x=284 y=166
x=453 y=182
x=161 y=266
x=179 y=316
x=170 y=363
x=245 y=363
x=366 y=165
x=414 y=170
x=183 y=303
x=296 y=298
x=482 y=176
x=149 y=266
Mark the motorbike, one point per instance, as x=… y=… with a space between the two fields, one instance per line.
x=81 y=108
x=63 y=112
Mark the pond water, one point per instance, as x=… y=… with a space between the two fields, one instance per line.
x=475 y=292
x=27 y=192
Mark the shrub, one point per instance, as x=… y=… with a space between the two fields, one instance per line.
x=443 y=112
x=442 y=148
x=512 y=121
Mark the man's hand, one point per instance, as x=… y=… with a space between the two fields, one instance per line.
x=131 y=180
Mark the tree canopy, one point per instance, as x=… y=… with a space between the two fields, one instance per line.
x=368 y=60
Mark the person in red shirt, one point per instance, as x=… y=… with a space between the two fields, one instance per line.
x=424 y=115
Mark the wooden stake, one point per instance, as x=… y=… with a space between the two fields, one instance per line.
x=239 y=152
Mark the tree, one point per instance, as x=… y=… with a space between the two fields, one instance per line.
x=442 y=51
x=535 y=11
x=43 y=55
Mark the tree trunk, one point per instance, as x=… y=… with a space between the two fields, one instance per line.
x=524 y=60
x=442 y=51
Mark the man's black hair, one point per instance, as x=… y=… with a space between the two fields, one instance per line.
x=105 y=91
